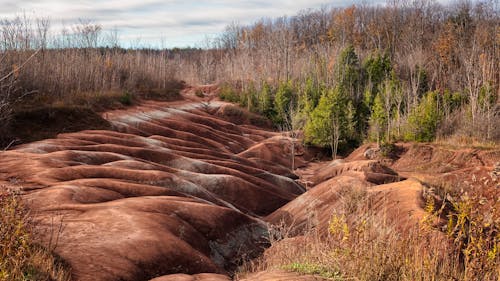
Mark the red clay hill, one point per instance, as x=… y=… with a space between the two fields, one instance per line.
x=185 y=190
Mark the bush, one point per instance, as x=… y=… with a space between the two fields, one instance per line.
x=126 y=98
x=199 y=93
x=423 y=120
x=229 y=94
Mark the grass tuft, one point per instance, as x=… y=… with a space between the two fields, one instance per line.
x=21 y=259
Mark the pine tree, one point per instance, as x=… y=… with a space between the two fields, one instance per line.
x=423 y=120
x=284 y=96
x=327 y=126
x=347 y=73
x=378 y=119
x=265 y=102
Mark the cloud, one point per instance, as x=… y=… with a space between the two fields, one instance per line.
x=173 y=22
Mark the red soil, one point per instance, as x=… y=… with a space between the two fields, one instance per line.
x=172 y=189
x=179 y=191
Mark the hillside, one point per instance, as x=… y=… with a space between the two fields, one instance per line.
x=178 y=188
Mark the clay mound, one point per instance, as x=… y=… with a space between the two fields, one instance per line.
x=437 y=159
x=359 y=153
x=429 y=158
x=373 y=171
x=436 y=164
x=315 y=207
x=277 y=150
x=240 y=116
x=399 y=203
x=168 y=191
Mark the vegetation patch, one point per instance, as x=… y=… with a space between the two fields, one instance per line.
x=21 y=259
x=313 y=269
x=459 y=240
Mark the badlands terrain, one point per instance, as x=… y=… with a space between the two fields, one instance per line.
x=188 y=190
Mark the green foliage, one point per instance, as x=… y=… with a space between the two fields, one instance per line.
x=310 y=96
x=126 y=98
x=487 y=96
x=313 y=269
x=451 y=101
x=378 y=119
x=388 y=149
x=351 y=121
x=228 y=93
x=423 y=120
x=331 y=121
x=199 y=93
x=377 y=67
x=319 y=129
x=347 y=72
x=249 y=98
x=283 y=100
x=423 y=81
x=265 y=101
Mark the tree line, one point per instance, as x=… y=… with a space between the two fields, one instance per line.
x=409 y=70
x=406 y=70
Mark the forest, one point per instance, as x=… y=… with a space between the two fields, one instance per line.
x=127 y=161
x=406 y=70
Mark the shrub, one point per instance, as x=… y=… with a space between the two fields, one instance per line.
x=199 y=93
x=423 y=120
x=228 y=93
x=126 y=98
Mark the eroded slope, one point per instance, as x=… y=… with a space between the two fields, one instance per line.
x=174 y=188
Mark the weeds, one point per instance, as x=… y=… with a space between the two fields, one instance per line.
x=20 y=258
x=362 y=245
x=126 y=98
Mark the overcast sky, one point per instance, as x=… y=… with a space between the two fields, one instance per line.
x=162 y=23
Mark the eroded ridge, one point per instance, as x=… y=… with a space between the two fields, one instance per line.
x=174 y=188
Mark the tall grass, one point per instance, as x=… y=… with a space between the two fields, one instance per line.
x=21 y=259
x=362 y=245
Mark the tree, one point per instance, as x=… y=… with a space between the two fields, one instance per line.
x=377 y=67
x=347 y=73
x=378 y=118
x=328 y=122
x=284 y=96
x=265 y=101
x=423 y=120
x=292 y=123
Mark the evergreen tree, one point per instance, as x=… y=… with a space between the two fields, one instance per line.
x=328 y=123
x=347 y=73
x=378 y=119
x=265 y=101
x=284 y=96
x=423 y=120
x=376 y=68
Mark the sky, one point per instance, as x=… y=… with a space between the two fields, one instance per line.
x=162 y=23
